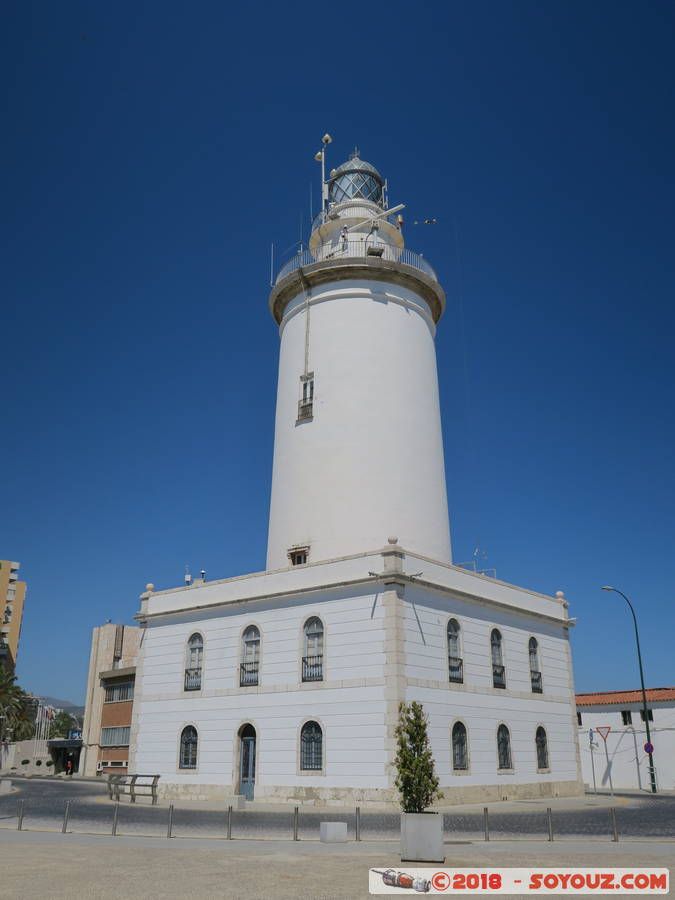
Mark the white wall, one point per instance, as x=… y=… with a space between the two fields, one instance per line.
x=370 y=462
x=628 y=761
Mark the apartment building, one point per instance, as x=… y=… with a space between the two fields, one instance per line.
x=12 y=597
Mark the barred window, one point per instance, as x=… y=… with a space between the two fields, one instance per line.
x=311 y=746
x=535 y=671
x=250 y=662
x=626 y=717
x=115 y=737
x=188 y=748
x=542 y=748
x=504 y=747
x=312 y=660
x=117 y=692
x=498 y=670
x=455 y=662
x=195 y=651
x=460 y=757
x=650 y=715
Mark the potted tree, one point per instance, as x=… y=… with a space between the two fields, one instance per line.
x=421 y=831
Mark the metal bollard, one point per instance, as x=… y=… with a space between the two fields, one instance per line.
x=615 y=826
x=549 y=820
x=486 y=823
x=66 y=813
x=114 y=825
x=169 y=827
x=229 y=823
x=19 y=825
x=358 y=823
x=295 y=823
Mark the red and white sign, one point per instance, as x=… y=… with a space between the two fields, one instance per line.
x=603 y=731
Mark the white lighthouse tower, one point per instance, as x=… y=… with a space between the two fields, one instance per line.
x=358 y=452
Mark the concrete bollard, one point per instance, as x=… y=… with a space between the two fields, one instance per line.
x=295 y=824
x=66 y=813
x=486 y=823
x=358 y=823
x=549 y=822
x=169 y=828
x=229 y=823
x=333 y=832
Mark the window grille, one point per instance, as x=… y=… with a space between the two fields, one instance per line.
x=504 y=747
x=312 y=661
x=579 y=722
x=115 y=737
x=650 y=715
x=188 y=748
x=542 y=748
x=116 y=692
x=250 y=657
x=626 y=717
x=306 y=401
x=498 y=670
x=193 y=668
x=311 y=746
x=460 y=757
x=455 y=662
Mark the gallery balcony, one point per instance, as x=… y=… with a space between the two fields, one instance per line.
x=456 y=669
x=248 y=674
x=498 y=676
x=312 y=668
x=193 y=679
x=358 y=249
x=535 y=678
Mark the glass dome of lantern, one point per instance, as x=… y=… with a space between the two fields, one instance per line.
x=355 y=180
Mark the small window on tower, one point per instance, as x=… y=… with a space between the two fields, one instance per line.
x=306 y=401
x=298 y=555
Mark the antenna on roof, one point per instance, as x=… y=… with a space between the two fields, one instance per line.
x=188 y=577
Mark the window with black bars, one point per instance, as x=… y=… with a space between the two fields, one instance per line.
x=542 y=748
x=650 y=715
x=504 y=747
x=311 y=746
x=460 y=757
x=188 y=748
x=626 y=717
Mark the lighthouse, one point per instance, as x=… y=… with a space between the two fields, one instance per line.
x=358 y=447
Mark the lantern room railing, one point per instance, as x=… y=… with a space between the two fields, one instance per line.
x=358 y=249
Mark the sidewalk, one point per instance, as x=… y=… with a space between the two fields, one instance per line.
x=37 y=865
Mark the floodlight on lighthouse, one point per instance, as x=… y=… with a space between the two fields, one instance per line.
x=318 y=156
x=327 y=139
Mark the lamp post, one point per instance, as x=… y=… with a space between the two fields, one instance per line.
x=652 y=776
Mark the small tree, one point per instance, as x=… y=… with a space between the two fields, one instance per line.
x=61 y=724
x=415 y=777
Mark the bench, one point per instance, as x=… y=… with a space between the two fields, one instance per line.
x=134 y=785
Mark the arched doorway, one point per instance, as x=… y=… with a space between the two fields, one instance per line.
x=247 y=740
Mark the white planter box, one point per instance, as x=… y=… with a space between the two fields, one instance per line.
x=422 y=837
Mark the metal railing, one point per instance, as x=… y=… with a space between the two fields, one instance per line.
x=305 y=409
x=312 y=668
x=498 y=676
x=535 y=678
x=193 y=679
x=456 y=669
x=248 y=673
x=363 y=249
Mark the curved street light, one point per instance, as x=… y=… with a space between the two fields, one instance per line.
x=652 y=776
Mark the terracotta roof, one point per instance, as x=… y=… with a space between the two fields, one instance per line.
x=607 y=697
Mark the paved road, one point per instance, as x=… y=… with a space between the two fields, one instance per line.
x=644 y=818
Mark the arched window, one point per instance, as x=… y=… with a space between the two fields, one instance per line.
x=250 y=662
x=535 y=671
x=455 y=662
x=188 y=748
x=504 y=747
x=498 y=671
x=193 y=662
x=460 y=756
x=311 y=746
x=542 y=748
x=312 y=660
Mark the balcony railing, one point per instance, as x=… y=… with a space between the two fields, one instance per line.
x=312 y=668
x=305 y=409
x=456 y=669
x=248 y=673
x=360 y=249
x=498 y=676
x=535 y=678
x=193 y=679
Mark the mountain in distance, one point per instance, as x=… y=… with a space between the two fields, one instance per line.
x=72 y=708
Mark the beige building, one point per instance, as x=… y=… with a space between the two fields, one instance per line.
x=109 y=700
x=12 y=597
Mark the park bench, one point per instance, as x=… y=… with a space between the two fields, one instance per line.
x=134 y=785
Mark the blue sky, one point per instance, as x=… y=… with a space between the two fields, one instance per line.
x=151 y=154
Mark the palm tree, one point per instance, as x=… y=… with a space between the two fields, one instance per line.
x=17 y=708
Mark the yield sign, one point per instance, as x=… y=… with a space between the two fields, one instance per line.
x=603 y=731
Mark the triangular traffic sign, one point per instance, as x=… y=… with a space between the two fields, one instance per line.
x=603 y=731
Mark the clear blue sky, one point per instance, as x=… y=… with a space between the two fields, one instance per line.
x=151 y=153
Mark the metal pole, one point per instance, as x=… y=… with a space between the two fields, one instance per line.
x=229 y=823
x=486 y=823
x=169 y=827
x=609 y=770
x=358 y=823
x=590 y=739
x=652 y=774
x=295 y=823
x=114 y=825
x=19 y=825
x=549 y=820
x=66 y=813
x=615 y=827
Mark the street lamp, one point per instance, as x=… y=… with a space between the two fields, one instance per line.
x=652 y=776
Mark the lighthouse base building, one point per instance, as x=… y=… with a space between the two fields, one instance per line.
x=285 y=685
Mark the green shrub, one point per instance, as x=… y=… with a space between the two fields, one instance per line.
x=415 y=777
x=49 y=763
x=24 y=762
x=38 y=762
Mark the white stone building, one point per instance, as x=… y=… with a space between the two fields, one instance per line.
x=285 y=684
x=623 y=713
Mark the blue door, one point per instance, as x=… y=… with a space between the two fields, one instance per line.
x=247 y=764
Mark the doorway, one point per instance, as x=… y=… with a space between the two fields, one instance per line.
x=247 y=741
